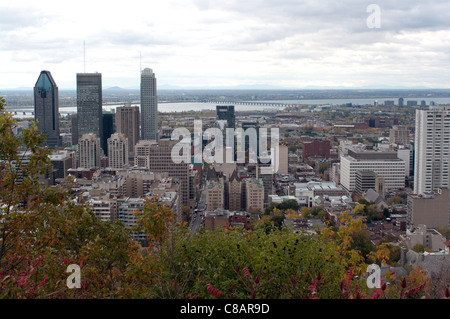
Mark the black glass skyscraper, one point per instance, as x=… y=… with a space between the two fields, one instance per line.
x=226 y=112
x=46 y=108
x=89 y=104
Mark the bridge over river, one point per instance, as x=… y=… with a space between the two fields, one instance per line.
x=261 y=103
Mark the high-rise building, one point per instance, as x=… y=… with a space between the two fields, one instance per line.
x=89 y=104
x=46 y=108
x=432 y=149
x=401 y=102
x=127 y=123
x=107 y=130
x=226 y=112
x=74 y=128
x=215 y=194
x=88 y=151
x=160 y=160
x=149 y=106
x=117 y=151
x=254 y=194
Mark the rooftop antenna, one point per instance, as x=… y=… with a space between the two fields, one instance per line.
x=140 y=62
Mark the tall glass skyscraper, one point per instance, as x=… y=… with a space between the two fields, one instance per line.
x=89 y=104
x=46 y=108
x=149 y=106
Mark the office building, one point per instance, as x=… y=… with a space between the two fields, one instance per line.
x=118 y=151
x=432 y=149
x=89 y=104
x=127 y=123
x=88 y=151
x=149 y=106
x=385 y=164
x=365 y=180
x=142 y=153
x=226 y=113
x=431 y=209
x=108 y=129
x=215 y=194
x=46 y=108
x=254 y=194
x=399 y=135
x=74 y=128
x=160 y=160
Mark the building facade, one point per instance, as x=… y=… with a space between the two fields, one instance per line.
x=149 y=106
x=385 y=164
x=46 y=108
x=432 y=149
x=431 y=209
x=118 y=151
x=88 y=152
x=89 y=104
x=127 y=123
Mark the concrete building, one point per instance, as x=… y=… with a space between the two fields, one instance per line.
x=254 y=195
x=88 y=151
x=118 y=151
x=89 y=104
x=149 y=106
x=283 y=164
x=432 y=149
x=142 y=153
x=399 y=134
x=431 y=209
x=365 y=180
x=385 y=164
x=46 y=108
x=62 y=161
x=234 y=193
x=428 y=237
x=160 y=160
x=215 y=194
x=127 y=123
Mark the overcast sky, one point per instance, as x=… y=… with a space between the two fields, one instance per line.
x=201 y=43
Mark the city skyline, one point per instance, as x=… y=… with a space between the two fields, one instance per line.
x=203 y=44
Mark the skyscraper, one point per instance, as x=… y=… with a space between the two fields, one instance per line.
x=127 y=123
x=117 y=151
x=89 y=104
x=432 y=149
x=46 y=108
x=160 y=160
x=88 y=151
x=149 y=106
x=226 y=112
x=107 y=129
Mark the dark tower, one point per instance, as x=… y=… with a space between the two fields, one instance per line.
x=46 y=108
x=89 y=104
